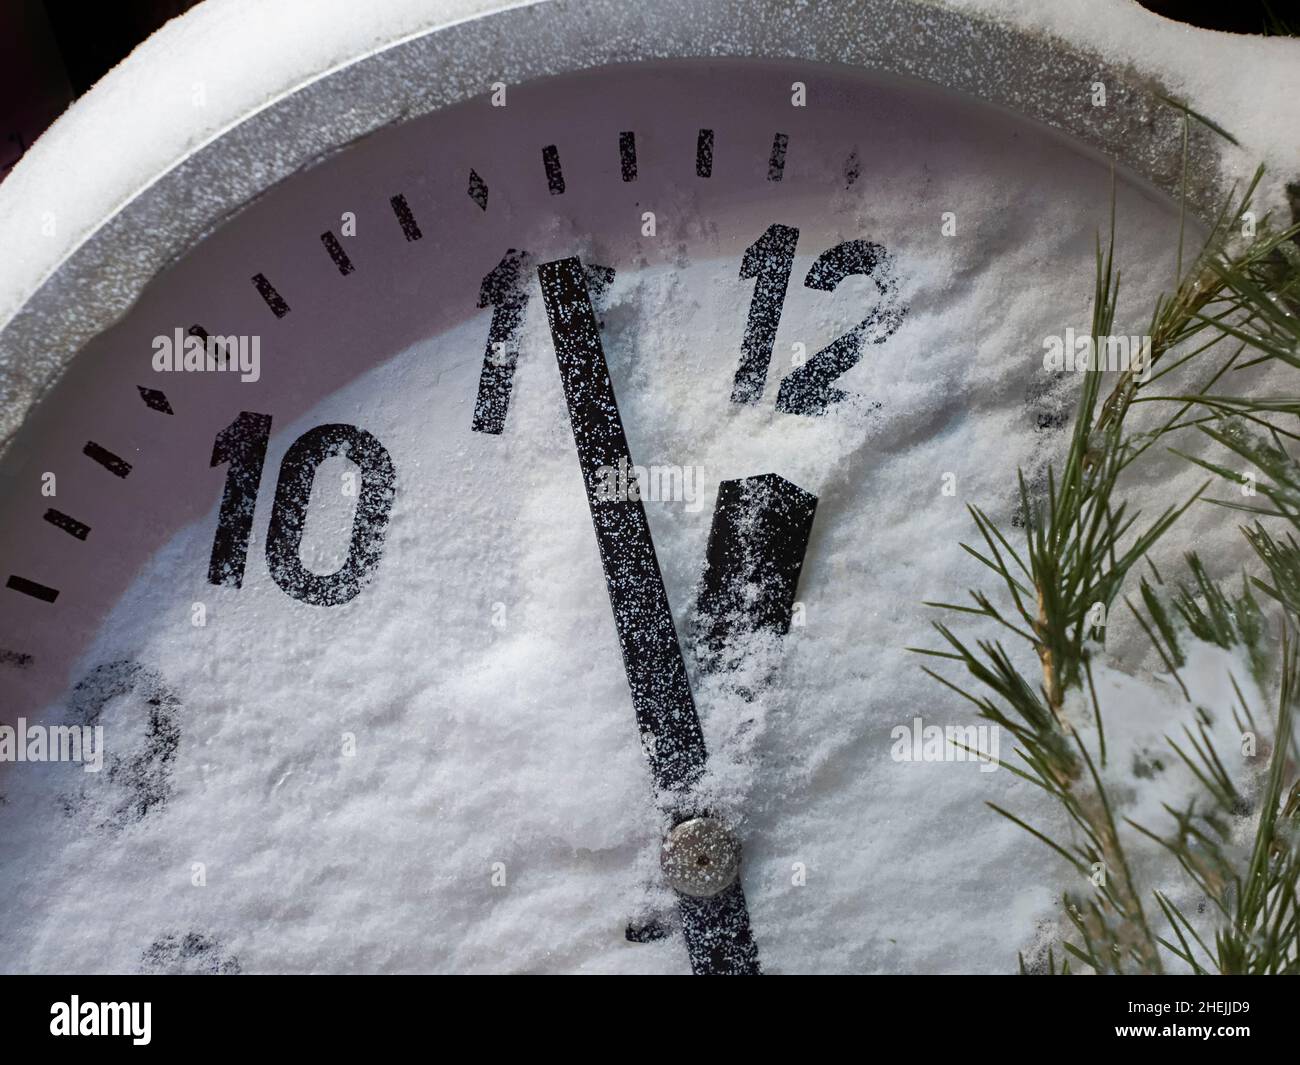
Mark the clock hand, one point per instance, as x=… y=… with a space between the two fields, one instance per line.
x=652 y=657
x=755 y=553
x=716 y=927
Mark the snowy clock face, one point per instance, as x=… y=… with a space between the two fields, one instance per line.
x=495 y=548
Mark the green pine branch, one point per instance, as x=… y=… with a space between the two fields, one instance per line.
x=1053 y=593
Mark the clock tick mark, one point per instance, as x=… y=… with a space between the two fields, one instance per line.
x=704 y=154
x=273 y=299
x=402 y=209
x=776 y=162
x=115 y=464
x=36 y=590
x=337 y=253
x=554 y=175
x=627 y=155
x=17 y=659
x=478 y=190
x=852 y=168
x=68 y=524
x=202 y=334
x=155 y=399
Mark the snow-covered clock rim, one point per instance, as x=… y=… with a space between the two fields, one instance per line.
x=413 y=57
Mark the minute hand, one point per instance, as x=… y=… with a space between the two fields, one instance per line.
x=716 y=928
x=652 y=657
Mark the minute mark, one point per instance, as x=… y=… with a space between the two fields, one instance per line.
x=70 y=525
x=35 y=589
x=336 y=252
x=405 y=218
x=115 y=464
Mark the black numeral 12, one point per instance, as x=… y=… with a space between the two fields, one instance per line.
x=242 y=446
x=809 y=389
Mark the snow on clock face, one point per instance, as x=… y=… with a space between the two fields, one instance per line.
x=495 y=548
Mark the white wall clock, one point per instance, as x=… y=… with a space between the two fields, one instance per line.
x=485 y=493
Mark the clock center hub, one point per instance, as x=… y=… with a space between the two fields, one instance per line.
x=700 y=857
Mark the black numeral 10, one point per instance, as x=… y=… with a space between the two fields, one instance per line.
x=241 y=446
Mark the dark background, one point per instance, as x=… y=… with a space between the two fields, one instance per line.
x=1279 y=18
x=52 y=51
